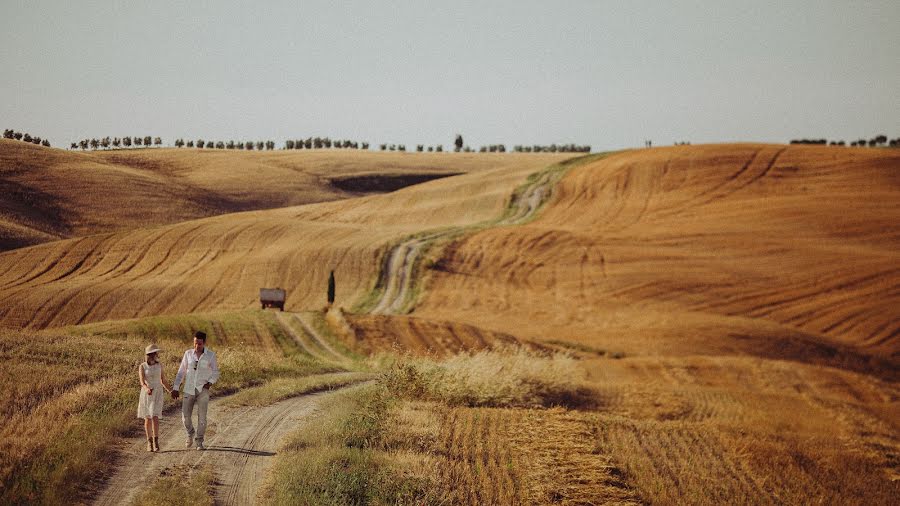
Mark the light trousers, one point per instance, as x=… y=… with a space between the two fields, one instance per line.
x=201 y=400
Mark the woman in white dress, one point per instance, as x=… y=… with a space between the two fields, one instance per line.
x=150 y=404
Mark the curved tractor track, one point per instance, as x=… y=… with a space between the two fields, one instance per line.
x=304 y=333
x=399 y=277
x=241 y=442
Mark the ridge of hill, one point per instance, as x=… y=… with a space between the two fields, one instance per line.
x=48 y=194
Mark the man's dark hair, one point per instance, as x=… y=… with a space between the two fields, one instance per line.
x=200 y=335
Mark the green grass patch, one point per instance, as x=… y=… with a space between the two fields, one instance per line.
x=283 y=388
x=340 y=459
x=320 y=325
x=222 y=328
x=180 y=485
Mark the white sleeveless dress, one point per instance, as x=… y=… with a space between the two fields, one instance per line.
x=151 y=405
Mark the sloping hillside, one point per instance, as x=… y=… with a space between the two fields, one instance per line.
x=764 y=249
x=48 y=194
x=221 y=262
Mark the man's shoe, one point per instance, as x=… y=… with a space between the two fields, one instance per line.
x=189 y=443
x=200 y=446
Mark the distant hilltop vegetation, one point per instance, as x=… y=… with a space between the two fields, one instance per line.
x=877 y=141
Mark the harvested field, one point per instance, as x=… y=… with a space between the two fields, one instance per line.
x=709 y=430
x=48 y=194
x=220 y=263
x=787 y=252
x=504 y=456
x=730 y=311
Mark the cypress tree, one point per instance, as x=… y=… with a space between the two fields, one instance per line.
x=331 y=288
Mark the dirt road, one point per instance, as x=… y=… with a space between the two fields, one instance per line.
x=241 y=443
x=398 y=277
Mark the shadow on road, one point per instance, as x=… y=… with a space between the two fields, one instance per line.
x=232 y=449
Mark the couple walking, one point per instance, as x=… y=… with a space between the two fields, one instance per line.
x=199 y=371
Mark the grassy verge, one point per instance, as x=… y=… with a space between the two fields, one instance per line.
x=180 y=485
x=514 y=377
x=341 y=460
x=283 y=388
x=468 y=442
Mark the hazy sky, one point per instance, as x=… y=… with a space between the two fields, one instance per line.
x=609 y=74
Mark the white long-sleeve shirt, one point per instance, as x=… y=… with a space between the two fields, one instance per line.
x=196 y=371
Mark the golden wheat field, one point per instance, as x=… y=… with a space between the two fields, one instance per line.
x=714 y=324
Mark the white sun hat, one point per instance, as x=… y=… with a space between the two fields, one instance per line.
x=151 y=349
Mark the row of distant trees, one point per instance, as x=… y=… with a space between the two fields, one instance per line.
x=398 y=147
x=117 y=142
x=877 y=141
x=308 y=143
x=247 y=145
x=324 y=142
x=553 y=148
x=25 y=137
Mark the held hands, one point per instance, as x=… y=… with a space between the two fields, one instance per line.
x=175 y=394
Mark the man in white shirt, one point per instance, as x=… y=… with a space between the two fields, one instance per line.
x=199 y=370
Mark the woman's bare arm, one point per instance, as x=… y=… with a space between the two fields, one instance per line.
x=142 y=379
x=162 y=379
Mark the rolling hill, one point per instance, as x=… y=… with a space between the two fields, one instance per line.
x=48 y=194
x=732 y=310
x=220 y=262
x=763 y=249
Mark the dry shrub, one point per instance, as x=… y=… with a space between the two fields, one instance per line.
x=503 y=377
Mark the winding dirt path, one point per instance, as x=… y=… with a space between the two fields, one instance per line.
x=311 y=341
x=402 y=258
x=241 y=443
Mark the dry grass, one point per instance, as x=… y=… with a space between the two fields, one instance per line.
x=180 y=485
x=501 y=456
x=341 y=460
x=282 y=388
x=708 y=430
x=498 y=377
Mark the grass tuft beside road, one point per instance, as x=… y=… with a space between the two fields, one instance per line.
x=513 y=377
x=279 y=389
x=180 y=485
x=342 y=458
